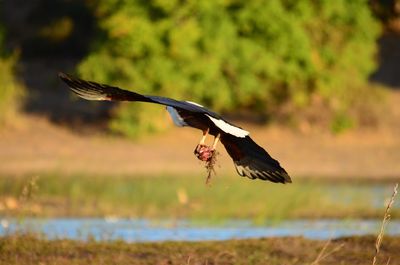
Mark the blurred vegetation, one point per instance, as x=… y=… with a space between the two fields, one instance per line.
x=45 y=29
x=176 y=197
x=274 y=57
x=281 y=60
x=11 y=90
x=388 y=11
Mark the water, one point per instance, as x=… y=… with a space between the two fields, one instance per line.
x=141 y=230
x=374 y=195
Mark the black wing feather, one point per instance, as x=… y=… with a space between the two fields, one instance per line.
x=252 y=161
x=94 y=91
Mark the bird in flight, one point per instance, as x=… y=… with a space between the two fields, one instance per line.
x=250 y=159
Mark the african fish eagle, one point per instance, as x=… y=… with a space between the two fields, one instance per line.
x=250 y=159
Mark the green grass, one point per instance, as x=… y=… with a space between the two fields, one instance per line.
x=189 y=197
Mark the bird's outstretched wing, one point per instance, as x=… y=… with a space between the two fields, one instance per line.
x=94 y=91
x=252 y=161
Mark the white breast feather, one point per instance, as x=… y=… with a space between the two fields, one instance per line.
x=176 y=118
x=226 y=127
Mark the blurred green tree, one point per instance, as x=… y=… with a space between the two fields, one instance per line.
x=11 y=90
x=266 y=56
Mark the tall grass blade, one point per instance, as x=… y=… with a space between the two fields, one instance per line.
x=385 y=221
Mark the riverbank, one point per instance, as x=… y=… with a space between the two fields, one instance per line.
x=23 y=250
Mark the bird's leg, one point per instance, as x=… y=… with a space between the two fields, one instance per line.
x=203 y=139
x=202 y=142
x=216 y=140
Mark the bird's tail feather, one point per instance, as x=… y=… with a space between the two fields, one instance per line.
x=94 y=91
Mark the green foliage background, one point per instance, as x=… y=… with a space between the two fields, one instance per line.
x=11 y=90
x=266 y=56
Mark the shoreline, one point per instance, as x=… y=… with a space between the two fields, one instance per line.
x=30 y=249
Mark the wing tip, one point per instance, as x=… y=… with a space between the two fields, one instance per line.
x=63 y=76
x=83 y=89
x=282 y=176
x=276 y=176
x=286 y=178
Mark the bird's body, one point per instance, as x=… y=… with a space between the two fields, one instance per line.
x=250 y=159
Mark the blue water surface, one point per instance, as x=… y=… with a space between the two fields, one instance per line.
x=141 y=230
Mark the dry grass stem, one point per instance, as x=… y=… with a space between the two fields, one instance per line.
x=322 y=255
x=27 y=197
x=29 y=190
x=385 y=221
x=225 y=255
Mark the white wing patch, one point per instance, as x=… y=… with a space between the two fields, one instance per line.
x=226 y=127
x=90 y=95
x=176 y=118
x=194 y=103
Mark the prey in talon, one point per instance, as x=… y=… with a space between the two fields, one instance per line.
x=207 y=154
